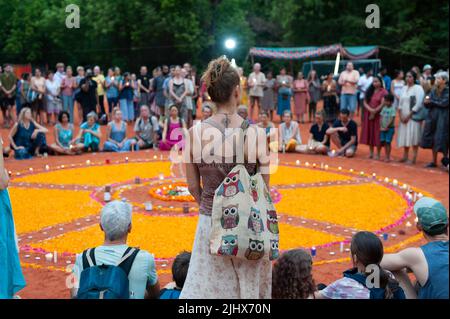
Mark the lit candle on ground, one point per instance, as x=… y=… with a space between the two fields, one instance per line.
x=47 y=167
x=313 y=251
x=341 y=247
x=297 y=162
x=386 y=180
x=155 y=157
x=55 y=257
x=405 y=186
x=408 y=224
x=307 y=164
x=88 y=162
x=148 y=206
x=49 y=257
x=340 y=168
x=161 y=176
x=419 y=196
x=126 y=159
x=361 y=173
x=351 y=170
x=395 y=182
x=31 y=169
x=314 y=165
x=326 y=167
x=374 y=175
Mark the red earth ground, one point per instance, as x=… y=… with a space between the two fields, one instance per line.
x=43 y=283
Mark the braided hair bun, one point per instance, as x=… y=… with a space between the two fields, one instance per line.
x=221 y=78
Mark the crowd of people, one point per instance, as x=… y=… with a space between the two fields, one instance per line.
x=200 y=274
x=167 y=99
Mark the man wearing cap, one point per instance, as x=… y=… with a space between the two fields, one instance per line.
x=426 y=77
x=429 y=263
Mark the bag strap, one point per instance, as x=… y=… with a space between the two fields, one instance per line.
x=127 y=260
x=88 y=258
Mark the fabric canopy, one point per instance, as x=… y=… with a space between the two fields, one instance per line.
x=354 y=52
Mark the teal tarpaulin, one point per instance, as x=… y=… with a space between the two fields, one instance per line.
x=299 y=53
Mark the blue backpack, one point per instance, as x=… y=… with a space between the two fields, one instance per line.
x=106 y=281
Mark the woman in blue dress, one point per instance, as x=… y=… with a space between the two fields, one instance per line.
x=11 y=277
x=27 y=137
x=284 y=85
x=63 y=135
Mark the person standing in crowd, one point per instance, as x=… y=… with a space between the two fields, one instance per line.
x=330 y=99
x=348 y=80
x=146 y=129
x=268 y=103
x=115 y=222
x=64 y=133
x=344 y=134
x=53 y=101
x=383 y=74
x=244 y=86
x=8 y=85
x=428 y=263
x=397 y=86
x=143 y=83
x=436 y=136
x=370 y=127
x=318 y=142
x=178 y=90
x=126 y=93
x=212 y=276
x=188 y=99
x=37 y=95
x=88 y=95
x=59 y=74
x=158 y=88
x=99 y=78
x=289 y=134
x=418 y=73
x=364 y=82
x=292 y=276
x=314 y=93
x=11 y=276
x=387 y=125
x=25 y=89
x=256 y=82
x=284 y=86
x=27 y=137
x=366 y=251
x=426 y=78
x=68 y=85
x=136 y=95
x=116 y=135
x=301 y=97
x=80 y=76
x=88 y=139
x=112 y=89
x=409 y=130
x=166 y=90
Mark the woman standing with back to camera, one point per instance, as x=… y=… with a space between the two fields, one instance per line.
x=211 y=276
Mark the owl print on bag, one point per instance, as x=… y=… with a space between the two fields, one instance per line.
x=230 y=217
x=231 y=185
x=255 y=222
x=274 y=252
x=272 y=222
x=267 y=196
x=254 y=189
x=255 y=250
x=229 y=246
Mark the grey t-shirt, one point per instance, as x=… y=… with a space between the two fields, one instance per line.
x=145 y=130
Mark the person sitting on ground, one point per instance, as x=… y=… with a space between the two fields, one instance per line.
x=64 y=132
x=366 y=280
x=116 y=135
x=27 y=137
x=146 y=129
x=179 y=272
x=429 y=263
x=318 y=142
x=387 y=125
x=115 y=222
x=265 y=123
x=344 y=134
x=289 y=133
x=292 y=276
x=242 y=111
x=207 y=110
x=173 y=134
x=88 y=139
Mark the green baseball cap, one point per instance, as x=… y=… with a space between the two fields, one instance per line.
x=431 y=215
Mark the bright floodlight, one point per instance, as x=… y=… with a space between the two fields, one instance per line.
x=230 y=44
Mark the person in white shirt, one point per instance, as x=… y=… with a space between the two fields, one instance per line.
x=59 y=74
x=363 y=84
x=256 y=82
x=115 y=222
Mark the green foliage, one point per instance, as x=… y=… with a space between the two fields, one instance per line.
x=133 y=32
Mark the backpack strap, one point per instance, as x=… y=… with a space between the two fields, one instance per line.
x=88 y=258
x=127 y=260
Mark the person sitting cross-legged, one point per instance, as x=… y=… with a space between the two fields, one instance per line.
x=88 y=138
x=319 y=141
x=116 y=134
x=344 y=134
x=179 y=272
x=429 y=263
x=137 y=270
x=146 y=129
